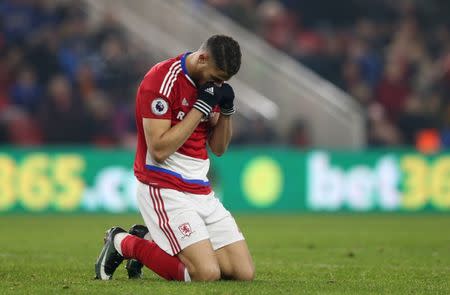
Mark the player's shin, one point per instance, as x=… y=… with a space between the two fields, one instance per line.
x=153 y=257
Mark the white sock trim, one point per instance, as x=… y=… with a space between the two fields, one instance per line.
x=118 y=238
x=187 y=277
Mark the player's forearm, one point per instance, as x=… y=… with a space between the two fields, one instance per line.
x=221 y=135
x=171 y=140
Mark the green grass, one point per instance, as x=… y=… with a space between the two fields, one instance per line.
x=294 y=254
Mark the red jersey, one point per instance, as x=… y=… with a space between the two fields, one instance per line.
x=167 y=92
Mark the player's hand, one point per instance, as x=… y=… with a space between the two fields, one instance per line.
x=207 y=97
x=226 y=101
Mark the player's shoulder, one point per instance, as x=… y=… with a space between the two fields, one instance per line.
x=162 y=77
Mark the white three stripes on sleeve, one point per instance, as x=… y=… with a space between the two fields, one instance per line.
x=170 y=78
x=174 y=78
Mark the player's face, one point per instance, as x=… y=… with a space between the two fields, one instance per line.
x=215 y=75
x=210 y=73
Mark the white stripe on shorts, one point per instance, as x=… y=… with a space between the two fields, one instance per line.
x=163 y=219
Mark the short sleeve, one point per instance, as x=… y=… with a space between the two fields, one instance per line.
x=154 y=106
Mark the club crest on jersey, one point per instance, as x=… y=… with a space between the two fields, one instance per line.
x=185 y=229
x=159 y=106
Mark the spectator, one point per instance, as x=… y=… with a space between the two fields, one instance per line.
x=19 y=20
x=26 y=92
x=6 y=80
x=21 y=128
x=43 y=55
x=414 y=119
x=101 y=111
x=393 y=91
x=63 y=118
x=299 y=135
x=115 y=75
x=381 y=131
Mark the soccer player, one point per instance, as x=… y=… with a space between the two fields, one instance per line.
x=182 y=105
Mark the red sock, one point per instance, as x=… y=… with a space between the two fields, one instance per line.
x=150 y=255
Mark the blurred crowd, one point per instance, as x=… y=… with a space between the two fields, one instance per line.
x=393 y=57
x=64 y=80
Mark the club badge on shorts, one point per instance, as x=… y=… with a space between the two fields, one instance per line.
x=185 y=229
x=159 y=106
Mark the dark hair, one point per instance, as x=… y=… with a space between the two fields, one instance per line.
x=225 y=52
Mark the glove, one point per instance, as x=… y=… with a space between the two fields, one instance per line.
x=207 y=97
x=226 y=100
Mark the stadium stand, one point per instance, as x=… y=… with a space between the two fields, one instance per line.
x=66 y=80
x=393 y=57
x=63 y=80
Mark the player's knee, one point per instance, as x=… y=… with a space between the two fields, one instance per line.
x=246 y=273
x=207 y=273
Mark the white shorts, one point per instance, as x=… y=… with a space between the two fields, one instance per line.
x=177 y=220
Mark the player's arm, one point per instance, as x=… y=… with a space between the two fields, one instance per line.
x=222 y=131
x=163 y=140
x=221 y=135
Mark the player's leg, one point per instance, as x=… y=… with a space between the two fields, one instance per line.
x=152 y=256
x=176 y=229
x=231 y=250
x=201 y=261
x=159 y=253
x=119 y=244
x=133 y=266
x=235 y=262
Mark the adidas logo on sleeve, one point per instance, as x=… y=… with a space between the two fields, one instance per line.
x=210 y=90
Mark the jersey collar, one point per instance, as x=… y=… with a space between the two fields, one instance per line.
x=183 y=67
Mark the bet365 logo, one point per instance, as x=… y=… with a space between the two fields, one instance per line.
x=407 y=181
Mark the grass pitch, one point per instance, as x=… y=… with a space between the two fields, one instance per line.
x=294 y=254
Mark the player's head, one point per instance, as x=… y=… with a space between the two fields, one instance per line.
x=219 y=58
